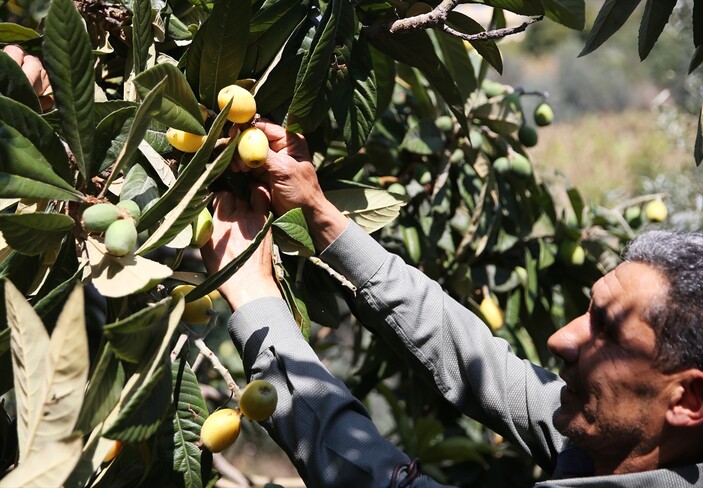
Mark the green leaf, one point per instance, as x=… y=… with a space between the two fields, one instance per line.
x=355 y=103
x=522 y=7
x=131 y=338
x=146 y=398
x=571 y=13
x=190 y=414
x=655 y=17
x=15 y=84
x=142 y=34
x=317 y=78
x=179 y=107
x=291 y=234
x=139 y=187
x=190 y=204
x=11 y=33
x=611 y=17
x=193 y=57
x=137 y=130
x=423 y=138
x=121 y=276
x=39 y=132
x=186 y=177
x=500 y=115
x=371 y=209
x=488 y=49
x=25 y=173
x=384 y=70
x=68 y=58
x=34 y=233
x=104 y=388
x=224 y=47
x=215 y=280
x=111 y=134
x=416 y=49
x=698 y=147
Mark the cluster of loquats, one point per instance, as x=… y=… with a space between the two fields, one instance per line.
x=252 y=144
x=118 y=222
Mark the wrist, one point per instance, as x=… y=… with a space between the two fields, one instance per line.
x=238 y=292
x=325 y=222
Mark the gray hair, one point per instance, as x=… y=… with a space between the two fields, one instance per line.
x=678 y=323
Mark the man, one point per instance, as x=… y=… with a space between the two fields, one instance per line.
x=626 y=412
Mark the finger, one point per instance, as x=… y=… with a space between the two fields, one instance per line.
x=223 y=205
x=279 y=138
x=32 y=67
x=260 y=198
x=15 y=52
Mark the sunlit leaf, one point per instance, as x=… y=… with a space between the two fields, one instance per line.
x=34 y=233
x=115 y=276
x=142 y=33
x=48 y=466
x=370 y=209
x=68 y=58
x=179 y=107
x=12 y=33
x=291 y=233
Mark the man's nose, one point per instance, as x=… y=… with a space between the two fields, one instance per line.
x=567 y=341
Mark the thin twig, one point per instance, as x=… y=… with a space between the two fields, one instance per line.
x=198 y=361
x=343 y=280
x=200 y=344
x=182 y=339
x=437 y=17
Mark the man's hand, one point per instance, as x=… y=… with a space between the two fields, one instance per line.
x=236 y=223
x=36 y=74
x=291 y=178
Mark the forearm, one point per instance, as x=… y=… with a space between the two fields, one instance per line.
x=325 y=431
x=475 y=371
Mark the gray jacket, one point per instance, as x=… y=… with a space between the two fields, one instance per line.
x=327 y=432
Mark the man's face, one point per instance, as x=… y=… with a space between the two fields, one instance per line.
x=614 y=400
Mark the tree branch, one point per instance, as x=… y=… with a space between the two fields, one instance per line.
x=438 y=18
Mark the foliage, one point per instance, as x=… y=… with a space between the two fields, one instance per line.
x=404 y=135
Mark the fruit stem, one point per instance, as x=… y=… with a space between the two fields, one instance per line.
x=219 y=367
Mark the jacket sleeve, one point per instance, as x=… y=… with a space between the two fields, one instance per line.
x=474 y=370
x=324 y=429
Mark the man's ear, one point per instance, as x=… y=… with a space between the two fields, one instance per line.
x=686 y=408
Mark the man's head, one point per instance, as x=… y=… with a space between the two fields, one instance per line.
x=632 y=362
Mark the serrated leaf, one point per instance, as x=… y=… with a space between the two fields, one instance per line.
x=355 y=106
x=104 y=388
x=147 y=109
x=416 y=49
x=294 y=237
x=25 y=173
x=698 y=148
x=131 y=338
x=611 y=17
x=488 y=49
x=34 y=233
x=223 y=48
x=179 y=107
x=68 y=59
x=190 y=204
x=121 y=276
x=146 y=397
x=187 y=176
x=142 y=33
x=570 y=13
x=15 y=84
x=11 y=33
x=39 y=132
x=655 y=17
x=215 y=280
x=49 y=466
x=371 y=209
x=52 y=391
x=314 y=85
x=190 y=414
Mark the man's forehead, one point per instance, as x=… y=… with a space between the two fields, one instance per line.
x=630 y=283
